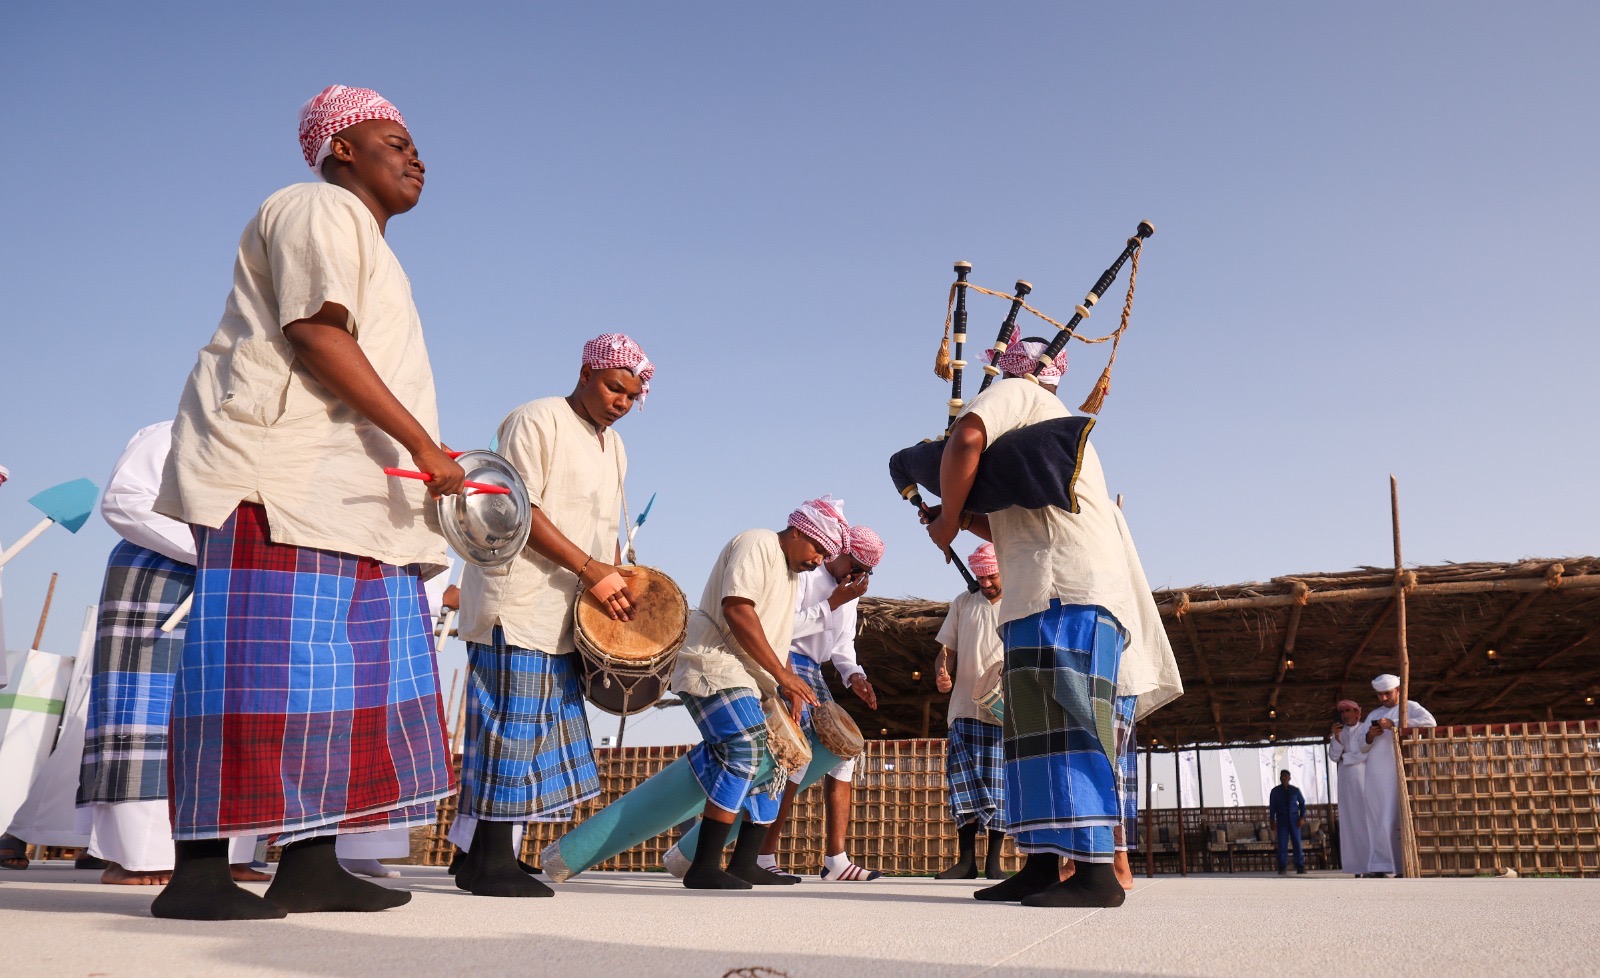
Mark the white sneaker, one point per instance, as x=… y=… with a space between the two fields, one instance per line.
x=675 y=861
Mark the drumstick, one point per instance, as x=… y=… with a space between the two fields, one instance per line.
x=178 y=613
x=482 y=487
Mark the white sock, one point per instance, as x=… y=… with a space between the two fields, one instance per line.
x=836 y=864
x=768 y=862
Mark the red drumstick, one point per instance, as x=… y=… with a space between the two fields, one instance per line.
x=425 y=477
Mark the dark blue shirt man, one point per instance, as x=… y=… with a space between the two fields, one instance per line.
x=1288 y=809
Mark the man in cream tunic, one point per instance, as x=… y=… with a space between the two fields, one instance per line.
x=306 y=701
x=1084 y=643
x=734 y=656
x=529 y=756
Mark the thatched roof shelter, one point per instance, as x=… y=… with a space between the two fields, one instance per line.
x=1266 y=662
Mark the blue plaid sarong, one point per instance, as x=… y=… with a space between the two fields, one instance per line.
x=1060 y=731
x=975 y=769
x=529 y=756
x=130 y=696
x=731 y=756
x=306 y=699
x=807 y=668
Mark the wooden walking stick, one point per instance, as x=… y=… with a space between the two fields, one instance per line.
x=1408 y=855
x=44 y=615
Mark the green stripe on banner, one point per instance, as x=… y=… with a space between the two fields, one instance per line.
x=33 y=704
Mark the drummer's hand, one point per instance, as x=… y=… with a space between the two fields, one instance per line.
x=942 y=531
x=941 y=681
x=445 y=475
x=452 y=599
x=797 y=691
x=619 y=606
x=864 y=690
x=848 y=590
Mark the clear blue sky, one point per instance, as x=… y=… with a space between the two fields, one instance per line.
x=1375 y=249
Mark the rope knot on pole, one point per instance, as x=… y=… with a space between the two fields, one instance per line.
x=1552 y=575
x=1180 y=607
x=1301 y=593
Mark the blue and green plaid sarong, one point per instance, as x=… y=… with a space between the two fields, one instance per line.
x=807 y=668
x=1061 y=750
x=130 y=698
x=975 y=769
x=729 y=760
x=529 y=756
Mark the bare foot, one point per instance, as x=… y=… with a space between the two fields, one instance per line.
x=115 y=875
x=242 y=873
x=1068 y=867
x=1123 y=869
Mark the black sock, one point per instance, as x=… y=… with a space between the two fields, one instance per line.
x=1041 y=871
x=992 y=867
x=493 y=869
x=310 y=879
x=966 y=866
x=202 y=888
x=746 y=849
x=705 y=872
x=1091 y=885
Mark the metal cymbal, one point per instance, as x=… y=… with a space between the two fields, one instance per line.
x=488 y=529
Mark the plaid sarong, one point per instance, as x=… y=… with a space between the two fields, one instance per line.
x=807 y=668
x=130 y=696
x=529 y=756
x=1128 y=772
x=1060 y=731
x=729 y=759
x=307 y=698
x=975 y=768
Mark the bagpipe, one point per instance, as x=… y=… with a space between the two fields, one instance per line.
x=1031 y=467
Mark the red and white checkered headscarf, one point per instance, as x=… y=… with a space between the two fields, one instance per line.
x=1348 y=705
x=618 y=351
x=823 y=523
x=864 y=544
x=333 y=110
x=1021 y=355
x=983 y=562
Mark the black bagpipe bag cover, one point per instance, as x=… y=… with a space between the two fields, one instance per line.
x=1031 y=467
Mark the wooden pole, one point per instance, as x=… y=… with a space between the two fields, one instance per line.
x=1408 y=860
x=1149 y=815
x=44 y=615
x=1503 y=586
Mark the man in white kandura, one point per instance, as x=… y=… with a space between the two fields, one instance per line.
x=1345 y=748
x=1382 y=788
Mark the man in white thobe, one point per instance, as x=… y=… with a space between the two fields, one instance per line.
x=1382 y=787
x=1345 y=750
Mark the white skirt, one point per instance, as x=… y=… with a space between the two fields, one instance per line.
x=137 y=835
x=384 y=844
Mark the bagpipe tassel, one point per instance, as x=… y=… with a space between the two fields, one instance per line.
x=1097 y=395
x=941 y=363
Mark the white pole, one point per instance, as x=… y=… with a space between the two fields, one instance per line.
x=24 y=540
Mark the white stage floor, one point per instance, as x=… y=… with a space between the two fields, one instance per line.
x=58 y=921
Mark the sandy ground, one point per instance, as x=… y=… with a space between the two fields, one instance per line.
x=59 y=921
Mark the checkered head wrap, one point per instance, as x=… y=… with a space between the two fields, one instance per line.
x=333 y=110
x=824 y=524
x=1021 y=355
x=983 y=562
x=618 y=351
x=864 y=544
x=1348 y=705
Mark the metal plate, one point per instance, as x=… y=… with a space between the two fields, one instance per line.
x=488 y=529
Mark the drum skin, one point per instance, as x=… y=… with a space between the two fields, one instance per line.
x=787 y=742
x=836 y=730
x=656 y=629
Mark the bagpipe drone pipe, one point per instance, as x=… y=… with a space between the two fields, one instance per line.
x=1030 y=467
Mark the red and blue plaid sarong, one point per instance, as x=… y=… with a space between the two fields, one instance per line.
x=307 y=699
